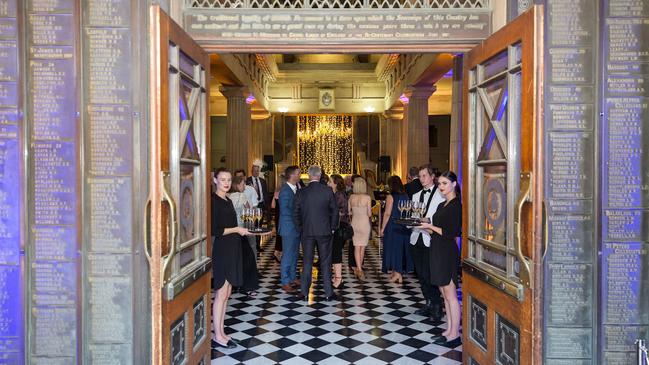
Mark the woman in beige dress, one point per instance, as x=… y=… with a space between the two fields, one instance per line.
x=360 y=209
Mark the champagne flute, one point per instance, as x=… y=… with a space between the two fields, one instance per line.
x=408 y=208
x=257 y=218
x=401 y=207
x=243 y=217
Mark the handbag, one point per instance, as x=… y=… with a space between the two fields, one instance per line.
x=345 y=231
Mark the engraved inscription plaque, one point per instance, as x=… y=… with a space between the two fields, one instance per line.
x=111 y=134
x=53 y=330
x=353 y=26
x=569 y=343
x=570 y=238
x=570 y=298
x=109 y=223
x=570 y=166
x=110 y=309
x=626 y=281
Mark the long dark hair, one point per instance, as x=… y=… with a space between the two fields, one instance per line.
x=453 y=178
x=395 y=184
x=339 y=181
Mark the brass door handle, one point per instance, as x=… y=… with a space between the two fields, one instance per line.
x=546 y=223
x=523 y=198
x=172 y=237
x=146 y=241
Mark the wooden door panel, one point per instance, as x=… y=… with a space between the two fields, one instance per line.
x=502 y=176
x=180 y=252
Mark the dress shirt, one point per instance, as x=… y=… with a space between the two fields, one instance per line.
x=293 y=187
x=251 y=195
x=432 y=208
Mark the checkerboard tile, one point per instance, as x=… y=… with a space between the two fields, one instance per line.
x=374 y=323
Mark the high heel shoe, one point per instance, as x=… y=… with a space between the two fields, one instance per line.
x=340 y=284
x=398 y=279
x=361 y=275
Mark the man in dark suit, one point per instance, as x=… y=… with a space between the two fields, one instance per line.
x=288 y=231
x=261 y=188
x=414 y=185
x=316 y=217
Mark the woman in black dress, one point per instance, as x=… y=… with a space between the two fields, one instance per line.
x=337 y=184
x=445 y=255
x=227 y=259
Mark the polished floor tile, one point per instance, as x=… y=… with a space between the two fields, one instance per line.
x=373 y=323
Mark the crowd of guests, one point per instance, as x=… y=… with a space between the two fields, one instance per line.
x=326 y=214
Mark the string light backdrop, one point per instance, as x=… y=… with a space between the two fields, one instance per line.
x=325 y=141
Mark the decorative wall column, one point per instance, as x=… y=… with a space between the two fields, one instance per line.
x=239 y=128
x=416 y=125
x=455 y=150
x=391 y=143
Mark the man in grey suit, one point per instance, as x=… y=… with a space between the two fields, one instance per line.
x=316 y=217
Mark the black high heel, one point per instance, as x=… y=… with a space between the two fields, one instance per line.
x=340 y=285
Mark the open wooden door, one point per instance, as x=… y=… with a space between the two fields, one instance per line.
x=178 y=247
x=502 y=169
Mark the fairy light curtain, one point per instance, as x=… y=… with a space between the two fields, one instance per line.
x=325 y=141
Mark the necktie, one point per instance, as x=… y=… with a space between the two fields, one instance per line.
x=254 y=179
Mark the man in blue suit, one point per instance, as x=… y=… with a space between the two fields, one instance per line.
x=288 y=231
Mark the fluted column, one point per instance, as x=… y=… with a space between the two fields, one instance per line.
x=239 y=128
x=455 y=153
x=416 y=125
x=393 y=141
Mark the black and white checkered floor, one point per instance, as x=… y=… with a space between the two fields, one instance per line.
x=374 y=323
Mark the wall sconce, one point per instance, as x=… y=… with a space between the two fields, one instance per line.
x=282 y=109
x=369 y=109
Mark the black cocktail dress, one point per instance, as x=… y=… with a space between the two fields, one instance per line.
x=227 y=261
x=444 y=253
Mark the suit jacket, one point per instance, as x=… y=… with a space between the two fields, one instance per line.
x=264 y=189
x=413 y=187
x=315 y=212
x=286 y=225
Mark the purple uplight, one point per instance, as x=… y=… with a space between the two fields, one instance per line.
x=404 y=99
x=250 y=99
